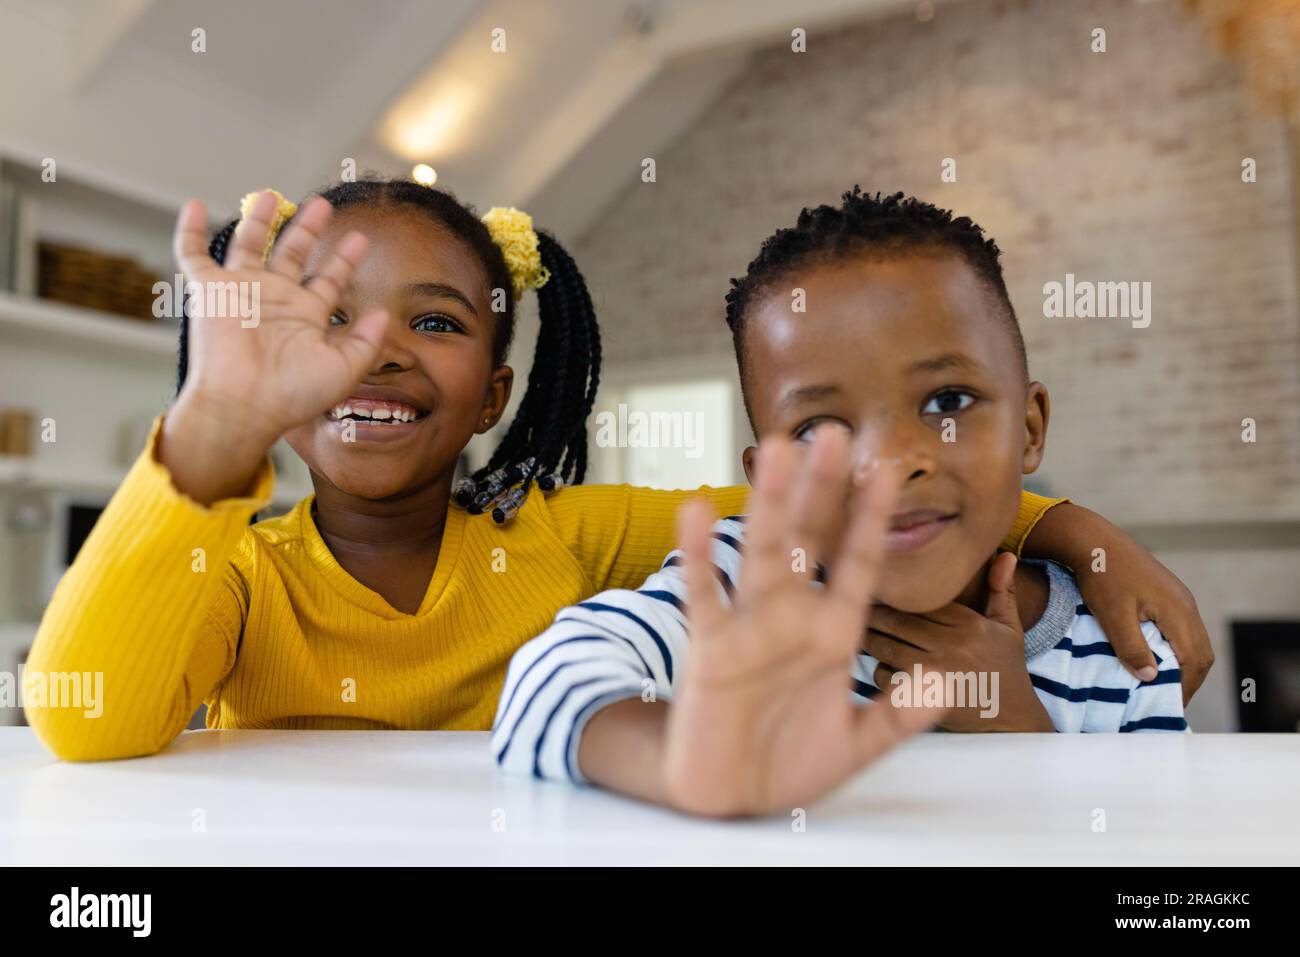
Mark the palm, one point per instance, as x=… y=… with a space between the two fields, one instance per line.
x=758 y=694
x=762 y=719
x=283 y=363
x=287 y=363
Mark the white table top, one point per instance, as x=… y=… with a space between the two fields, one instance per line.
x=354 y=797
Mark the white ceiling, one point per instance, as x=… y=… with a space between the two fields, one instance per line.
x=289 y=89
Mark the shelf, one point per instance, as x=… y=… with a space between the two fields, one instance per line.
x=24 y=471
x=57 y=324
x=16 y=472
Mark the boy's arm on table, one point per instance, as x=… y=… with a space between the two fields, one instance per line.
x=154 y=605
x=585 y=700
x=1123 y=585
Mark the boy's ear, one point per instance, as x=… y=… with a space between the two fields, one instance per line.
x=747 y=458
x=1038 y=408
x=496 y=398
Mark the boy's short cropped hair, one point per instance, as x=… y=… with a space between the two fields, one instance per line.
x=872 y=226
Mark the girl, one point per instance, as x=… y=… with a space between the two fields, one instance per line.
x=386 y=312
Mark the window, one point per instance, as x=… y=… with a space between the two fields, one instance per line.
x=667 y=434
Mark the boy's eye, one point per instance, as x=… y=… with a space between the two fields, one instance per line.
x=436 y=323
x=947 y=402
x=805 y=432
x=337 y=319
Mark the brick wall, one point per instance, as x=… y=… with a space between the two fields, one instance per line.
x=1116 y=166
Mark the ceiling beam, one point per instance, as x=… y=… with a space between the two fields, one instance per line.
x=637 y=57
x=96 y=34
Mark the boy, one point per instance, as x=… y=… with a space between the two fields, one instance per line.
x=905 y=377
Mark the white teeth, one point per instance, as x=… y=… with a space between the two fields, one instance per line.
x=377 y=414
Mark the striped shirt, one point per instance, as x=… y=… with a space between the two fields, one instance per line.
x=633 y=644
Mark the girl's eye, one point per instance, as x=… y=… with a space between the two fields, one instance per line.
x=947 y=402
x=806 y=431
x=436 y=323
x=337 y=319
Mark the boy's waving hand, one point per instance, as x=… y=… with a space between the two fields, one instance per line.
x=762 y=720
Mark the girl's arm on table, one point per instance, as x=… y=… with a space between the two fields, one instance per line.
x=149 y=614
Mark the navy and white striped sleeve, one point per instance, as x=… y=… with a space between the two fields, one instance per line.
x=616 y=645
x=1086 y=688
x=1157 y=705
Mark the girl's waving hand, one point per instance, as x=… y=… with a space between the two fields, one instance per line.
x=276 y=360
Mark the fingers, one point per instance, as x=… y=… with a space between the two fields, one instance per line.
x=190 y=241
x=766 y=561
x=853 y=575
x=884 y=723
x=360 y=342
x=1187 y=635
x=249 y=242
x=336 y=273
x=299 y=238
x=888 y=650
x=1121 y=626
x=920 y=631
x=695 y=538
x=821 y=484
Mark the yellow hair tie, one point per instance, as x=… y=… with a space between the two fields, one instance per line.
x=284 y=211
x=512 y=231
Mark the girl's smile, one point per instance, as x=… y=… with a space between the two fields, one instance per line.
x=373 y=414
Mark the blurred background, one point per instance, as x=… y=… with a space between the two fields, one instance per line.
x=1163 y=149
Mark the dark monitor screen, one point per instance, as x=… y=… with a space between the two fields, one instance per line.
x=1268 y=653
x=81 y=519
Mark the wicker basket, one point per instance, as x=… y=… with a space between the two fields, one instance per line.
x=83 y=277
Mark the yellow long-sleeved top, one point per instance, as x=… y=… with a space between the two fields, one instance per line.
x=175 y=603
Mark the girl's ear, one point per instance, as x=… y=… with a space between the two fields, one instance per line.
x=747 y=458
x=1038 y=408
x=496 y=398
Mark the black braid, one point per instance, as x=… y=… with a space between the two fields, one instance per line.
x=875 y=225
x=551 y=425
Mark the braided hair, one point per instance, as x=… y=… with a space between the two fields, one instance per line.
x=546 y=444
x=873 y=225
